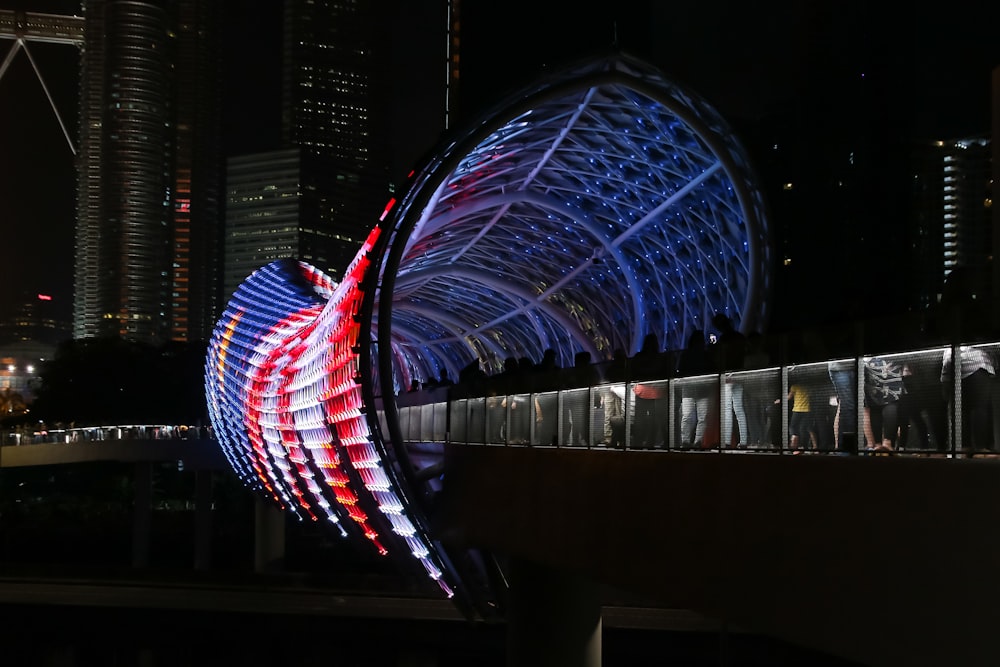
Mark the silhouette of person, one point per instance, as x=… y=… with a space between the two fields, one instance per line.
x=650 y=398
x=730 y=355
x=576 y=417
x=977 y=371
x=443 y=379
x=696 y=397
x=613 y=399
x=756 y=399
x=801 y=424
x=546 y=382
x=882 y=406
x=844 y=377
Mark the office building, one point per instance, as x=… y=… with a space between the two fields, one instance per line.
x=27 y=340
x=263 y=216
x=149 y=172
x=38 y=319
x=334 y=97
x=363 y=95
x=952 y=215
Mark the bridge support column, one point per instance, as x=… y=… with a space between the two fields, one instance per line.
x=142 y=513
x=554 y=618
x=268 y=537
x=203 y=519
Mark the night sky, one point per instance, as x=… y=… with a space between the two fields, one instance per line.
x=931 y=71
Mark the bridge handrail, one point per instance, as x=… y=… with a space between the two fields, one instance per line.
x=34 y=434
x=939 y=412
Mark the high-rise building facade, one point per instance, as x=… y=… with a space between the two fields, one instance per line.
x=263 y=216
x=149 y=172
x=36 y=320
x=952 y=215
x=363 y=95
x=335 y=102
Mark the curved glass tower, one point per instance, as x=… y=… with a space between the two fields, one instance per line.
x=148 y=184
x=599 y=205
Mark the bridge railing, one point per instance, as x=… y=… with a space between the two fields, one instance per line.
x=905 y=402
x=909 y=402
x=41 y=434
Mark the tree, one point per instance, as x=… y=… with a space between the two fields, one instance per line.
x=112 y=381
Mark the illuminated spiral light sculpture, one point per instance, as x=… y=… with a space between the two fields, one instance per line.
x=598 y=205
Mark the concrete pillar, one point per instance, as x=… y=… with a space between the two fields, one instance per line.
x=554 y=619
x=203 y=519
x=269 y=537
x=142 y=511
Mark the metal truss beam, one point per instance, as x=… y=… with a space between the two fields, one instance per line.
x=24 y=27
x=34 y=27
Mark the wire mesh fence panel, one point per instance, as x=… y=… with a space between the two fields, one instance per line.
x=477 y=420
x=576 y=412
x=519 y=415
x=755 y=414
x=459 y=420
x=649 y=418
x=695 y=420
x=546 y=411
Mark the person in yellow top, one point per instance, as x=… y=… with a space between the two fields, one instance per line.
x=801 y=425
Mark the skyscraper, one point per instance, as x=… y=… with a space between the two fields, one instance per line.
x=364 y=93
x=263 y=217
x=335 y=97
x=952 y=215
x=149 y=171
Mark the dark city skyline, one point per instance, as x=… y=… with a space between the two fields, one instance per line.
x=825 y=69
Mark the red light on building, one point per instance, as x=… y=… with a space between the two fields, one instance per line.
x=44 y=297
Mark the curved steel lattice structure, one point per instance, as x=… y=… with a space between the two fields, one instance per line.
x=600 y=204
